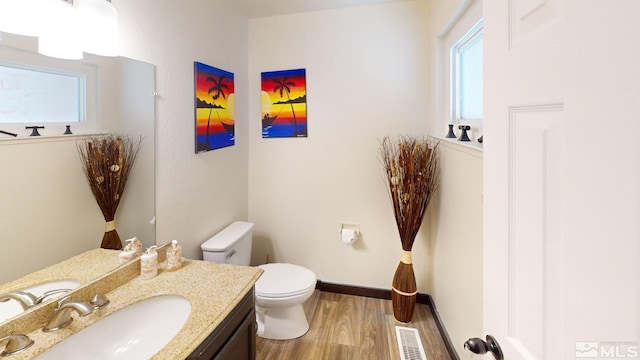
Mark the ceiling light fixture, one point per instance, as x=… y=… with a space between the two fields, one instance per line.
x=65 y=28
x=22 y=17
x=99 y=22
x=62 y=37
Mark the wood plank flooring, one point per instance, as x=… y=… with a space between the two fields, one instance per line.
x=347 y=327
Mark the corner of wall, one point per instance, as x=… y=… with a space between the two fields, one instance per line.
x=456 y=239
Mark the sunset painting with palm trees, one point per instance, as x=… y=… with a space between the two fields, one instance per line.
x=214 y=104
x=284 y=104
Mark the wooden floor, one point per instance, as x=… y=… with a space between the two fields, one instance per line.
x=353 y=327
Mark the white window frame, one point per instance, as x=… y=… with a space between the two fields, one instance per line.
x=468 y=39
x=468 y=16
x=88 y=103
x=24 y=93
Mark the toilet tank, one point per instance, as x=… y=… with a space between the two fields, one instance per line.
x=232 y=245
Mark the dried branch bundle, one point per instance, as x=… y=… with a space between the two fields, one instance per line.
x=107 y=161
x=412 y=173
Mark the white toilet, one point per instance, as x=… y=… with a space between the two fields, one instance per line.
x=280 y=291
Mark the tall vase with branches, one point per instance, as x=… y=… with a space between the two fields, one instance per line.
x=411 y=171
x=107 y=162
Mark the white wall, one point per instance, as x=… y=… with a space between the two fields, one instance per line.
x=196 y=195
x=44 y=222
x=366 y=78
x=457 y=242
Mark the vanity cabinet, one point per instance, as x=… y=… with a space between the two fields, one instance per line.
x=235 y=337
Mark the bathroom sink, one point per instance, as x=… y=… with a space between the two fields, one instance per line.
x=137 y=331
x=11 y=308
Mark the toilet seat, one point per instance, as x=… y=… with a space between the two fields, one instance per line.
x=284 y=280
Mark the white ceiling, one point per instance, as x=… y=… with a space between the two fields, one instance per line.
x=264 y=8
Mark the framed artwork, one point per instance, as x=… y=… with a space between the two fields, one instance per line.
x=284 y=104
x=214 y=108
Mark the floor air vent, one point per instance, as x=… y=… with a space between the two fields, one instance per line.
x=409 y=344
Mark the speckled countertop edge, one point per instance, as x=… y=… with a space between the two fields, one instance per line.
x=212 y=289
x=83 y=268
x=97 y=270
x=86 y=268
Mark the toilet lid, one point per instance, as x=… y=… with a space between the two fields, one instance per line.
x=282 y=280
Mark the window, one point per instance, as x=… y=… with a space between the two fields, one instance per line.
x=460 y=53
x=466 y=77
x=36 y=95
x=42 y=91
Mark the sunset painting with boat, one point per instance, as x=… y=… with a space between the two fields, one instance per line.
x=214 y=108
x=284 y=103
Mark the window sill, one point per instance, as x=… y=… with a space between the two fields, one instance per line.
x=10 y=140
x=472 y=148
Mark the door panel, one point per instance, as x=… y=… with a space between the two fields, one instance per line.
x=561 y=177
x=536 y=236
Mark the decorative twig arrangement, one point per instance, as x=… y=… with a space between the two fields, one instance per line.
x=107 y=161
x=411 y=167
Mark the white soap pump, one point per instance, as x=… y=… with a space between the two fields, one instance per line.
x=149 y=263
x=135 y=245
x=126 y=254
x=133 y=249
x=174 y=256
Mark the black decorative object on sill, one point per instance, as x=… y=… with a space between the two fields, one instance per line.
x=68 y=131
x=451 y=134
x=464 y=136
x=8 y=133
x=34 y=130
x=480 y=139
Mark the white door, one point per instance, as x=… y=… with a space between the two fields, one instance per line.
x=561 y=167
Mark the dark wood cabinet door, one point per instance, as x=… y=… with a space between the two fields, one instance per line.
x=234 y=338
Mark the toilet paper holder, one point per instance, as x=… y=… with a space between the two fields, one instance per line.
x=355 y=227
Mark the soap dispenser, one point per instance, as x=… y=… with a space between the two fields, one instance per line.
x=126 y=254
x=131 y=250
x=149 y=263
x=135 y=245
x=174 y=256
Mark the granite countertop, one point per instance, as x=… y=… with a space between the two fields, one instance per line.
x=82 y=268
x=212 y=289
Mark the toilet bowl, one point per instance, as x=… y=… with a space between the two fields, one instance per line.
x=279 y=292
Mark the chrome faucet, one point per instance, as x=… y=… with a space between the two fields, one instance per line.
x=62 y=315
x=15 y=344
x=25 y=299
x=49 y=293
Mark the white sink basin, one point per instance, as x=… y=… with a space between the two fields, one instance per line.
x=12 y=308
x=137 y=331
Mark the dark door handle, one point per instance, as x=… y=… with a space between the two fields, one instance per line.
x=479 y=346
